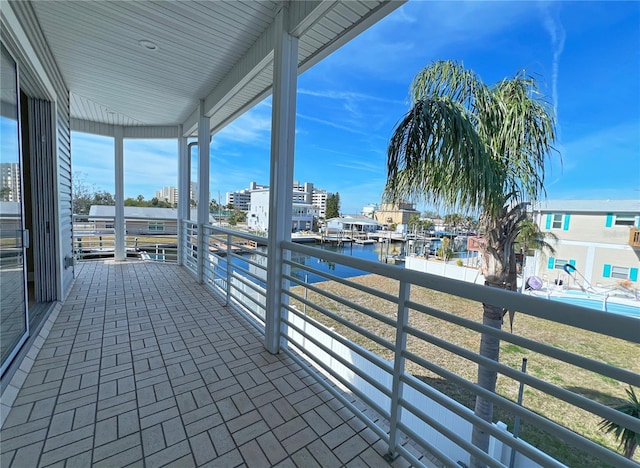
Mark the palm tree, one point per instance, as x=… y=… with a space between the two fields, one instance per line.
x=531 y=237
x=473 y=147
x=629 y=440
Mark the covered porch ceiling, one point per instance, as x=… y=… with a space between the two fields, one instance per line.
x=149 y=63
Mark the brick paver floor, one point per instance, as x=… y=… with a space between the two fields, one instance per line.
x=145 y=367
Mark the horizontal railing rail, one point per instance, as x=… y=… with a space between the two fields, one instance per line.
x=403 y=357
x=148 y=239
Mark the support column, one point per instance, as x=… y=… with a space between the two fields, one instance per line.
x=184 y=168
x=285 y=74
x=203 y=187
x=119 y=224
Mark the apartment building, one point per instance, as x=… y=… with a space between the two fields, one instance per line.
x=302 y=215
x=10 y=182
x=396 y=213
x=240 y=199
x=303 y=193
x=168 y=194
x=600 y=238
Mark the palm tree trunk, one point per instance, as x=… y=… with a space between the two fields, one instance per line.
x=489 y=348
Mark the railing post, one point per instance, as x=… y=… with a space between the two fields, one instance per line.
x=398 y=368
x=229 y=250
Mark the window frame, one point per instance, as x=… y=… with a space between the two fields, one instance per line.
x=623 y=273
x=559 y=221
x=156 y=226
x=629 y=220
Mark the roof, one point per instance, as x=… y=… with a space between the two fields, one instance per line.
x=141 y=212
x=148 y=64
x=589 y=206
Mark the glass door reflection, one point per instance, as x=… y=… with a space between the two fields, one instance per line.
x=13 y=307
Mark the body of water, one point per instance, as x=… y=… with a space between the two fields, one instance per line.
x=372 y=252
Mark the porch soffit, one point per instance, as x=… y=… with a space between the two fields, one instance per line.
x=219 y=51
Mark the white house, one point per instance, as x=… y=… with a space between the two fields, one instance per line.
x=353 y=223
x=302 y=214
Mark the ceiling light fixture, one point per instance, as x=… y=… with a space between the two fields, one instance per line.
x=147 y=44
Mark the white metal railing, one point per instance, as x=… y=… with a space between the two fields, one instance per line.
x=94 y=237
x=189 y=242
x=377 y=357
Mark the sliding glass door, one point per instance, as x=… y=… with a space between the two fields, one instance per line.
x=13 y=304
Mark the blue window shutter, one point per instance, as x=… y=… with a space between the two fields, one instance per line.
x=638 y=221
x=549 y=218
x=607 y=271
x=551 y=263
x=609 y=220
x=567 y=217
x=572 y=262
x=633 y=274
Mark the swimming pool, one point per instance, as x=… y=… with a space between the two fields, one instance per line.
x=596 y=303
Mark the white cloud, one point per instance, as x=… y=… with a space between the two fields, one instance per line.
x=557 y=34
x=333 y=124
x=253 y=127
x=348 y=96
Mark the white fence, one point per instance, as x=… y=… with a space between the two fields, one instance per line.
x=470 y=275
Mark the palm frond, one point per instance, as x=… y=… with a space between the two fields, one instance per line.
x=627 y=438
x=436 y=155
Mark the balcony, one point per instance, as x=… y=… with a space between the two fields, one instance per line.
x=634 y=237
x=144 y=364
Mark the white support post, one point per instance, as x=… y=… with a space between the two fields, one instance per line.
x=404 y=295
x=183 y=191
x=204 y=139
x=119 y=222
x=285 y=74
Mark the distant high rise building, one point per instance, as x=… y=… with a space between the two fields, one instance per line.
x=10 y=182
x=193 y=191
x=240 y=199
x=319 y=200
x=304 y=193
x=168 y=194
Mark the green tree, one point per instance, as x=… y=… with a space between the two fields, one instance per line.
x=103 y=198
x=445 y=252
x=5 y=193
x=530 y=237
x=453 y=221
x=470 y=146
x=237 y=217
x=629 y=440
x=333 y=206
x=81 y=193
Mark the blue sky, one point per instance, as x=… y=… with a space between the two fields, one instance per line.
x=586 y=56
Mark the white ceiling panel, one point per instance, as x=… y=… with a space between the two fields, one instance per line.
x=220 y=50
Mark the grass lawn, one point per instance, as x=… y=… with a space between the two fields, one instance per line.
x=589 y=384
